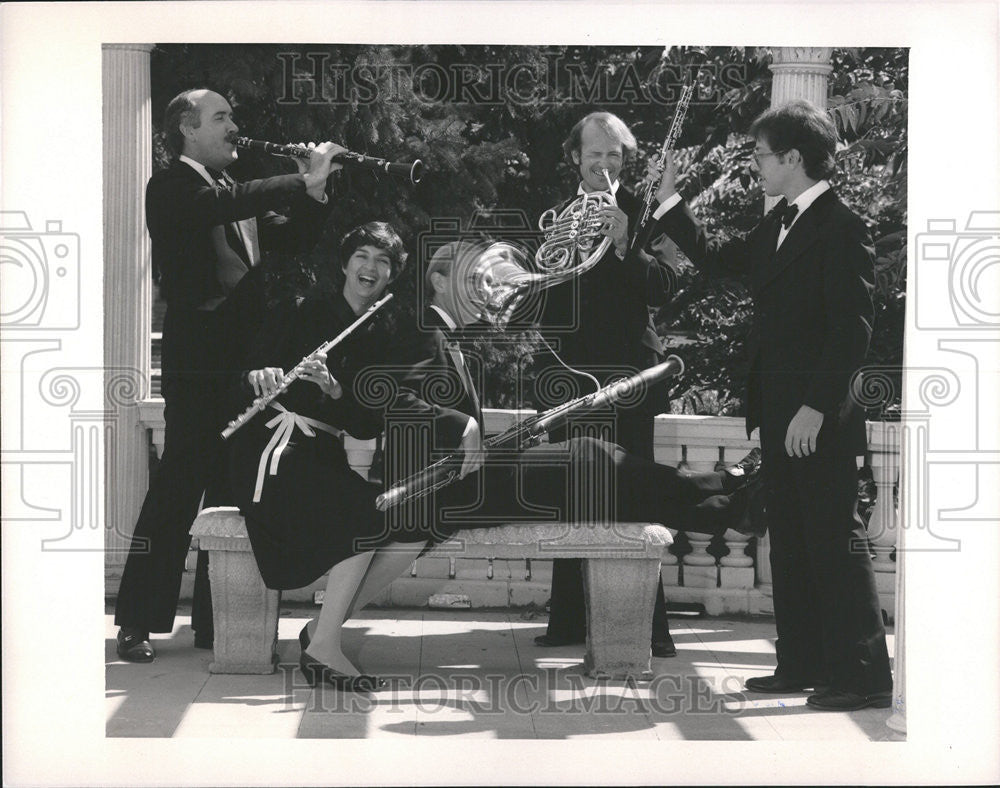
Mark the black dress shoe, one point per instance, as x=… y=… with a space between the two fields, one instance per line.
x=780 y=684
x=663 y=648
x=550 y=641
x=134 y=645
x=317 y=673
x=738 y=475
x=838 y=700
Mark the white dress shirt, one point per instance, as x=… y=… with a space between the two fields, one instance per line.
x=804 y=200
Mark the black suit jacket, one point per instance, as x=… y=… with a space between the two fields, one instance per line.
x=812 y=314
x=601 y=317
x=182 y=208
x=431 y=385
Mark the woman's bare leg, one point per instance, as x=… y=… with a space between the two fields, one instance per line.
x=389 y=563
x=341 y=587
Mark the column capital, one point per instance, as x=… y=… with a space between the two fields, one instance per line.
x=800 y=73
x=813 y=59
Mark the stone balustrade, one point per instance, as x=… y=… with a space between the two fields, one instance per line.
x=737 y=581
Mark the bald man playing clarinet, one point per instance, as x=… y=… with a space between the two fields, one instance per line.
x=206 y=232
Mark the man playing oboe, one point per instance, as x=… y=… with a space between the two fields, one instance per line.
x=811 y=276
x=204 y=232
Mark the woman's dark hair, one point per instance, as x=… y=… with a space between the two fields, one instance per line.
x=181 y=109
x=804 y=127
x=381 y=235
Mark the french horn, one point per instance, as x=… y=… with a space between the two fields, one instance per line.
x=572 y=244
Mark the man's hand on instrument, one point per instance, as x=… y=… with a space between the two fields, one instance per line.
x=472 y=448
x=314 y=370
x=265 y=381
x=800 y=439
x=317 y=168
x=615 y=226
x=668 y=180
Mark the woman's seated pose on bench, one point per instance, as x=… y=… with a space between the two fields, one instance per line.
x=307 y=512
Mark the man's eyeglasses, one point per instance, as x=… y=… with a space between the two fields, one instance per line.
x=758 y=155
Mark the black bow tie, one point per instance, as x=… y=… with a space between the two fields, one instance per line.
x=787 y=213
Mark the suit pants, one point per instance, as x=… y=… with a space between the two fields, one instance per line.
x=567 y=605
x=192 y=465
x=826 y=607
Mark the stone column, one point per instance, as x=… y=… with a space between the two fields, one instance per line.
x=800 y=73
x=127 y=283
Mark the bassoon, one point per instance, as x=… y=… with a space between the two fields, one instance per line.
x=525 y=434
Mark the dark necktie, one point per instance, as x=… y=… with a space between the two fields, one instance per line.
x=454 y=349
x=244 y=231
x=788 y=214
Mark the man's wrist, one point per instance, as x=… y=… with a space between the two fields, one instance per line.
x=315 y=186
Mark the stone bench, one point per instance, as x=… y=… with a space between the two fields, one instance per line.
x=621 y=569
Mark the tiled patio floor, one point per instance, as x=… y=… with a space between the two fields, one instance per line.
x=473 y=674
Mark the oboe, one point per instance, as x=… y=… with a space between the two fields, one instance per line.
x=644 y=227
x=525 y=434
x=265 y=399
x=414 y=172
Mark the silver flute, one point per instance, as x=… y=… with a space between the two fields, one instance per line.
x=264 y=400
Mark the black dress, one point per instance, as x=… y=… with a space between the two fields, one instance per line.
x=305 y=508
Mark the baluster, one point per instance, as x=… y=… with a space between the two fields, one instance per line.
x=700 y=570
x=883 y=522
x=736 y=568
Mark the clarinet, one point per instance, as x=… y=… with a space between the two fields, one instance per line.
x=266 y=399
x=413 y=172
x=524 y=434
x=644 y=228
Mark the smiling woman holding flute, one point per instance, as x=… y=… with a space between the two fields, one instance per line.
x=306 y=510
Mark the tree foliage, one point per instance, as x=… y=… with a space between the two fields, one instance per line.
x=488 y=122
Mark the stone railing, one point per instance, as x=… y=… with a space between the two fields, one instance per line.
x=731 y=576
